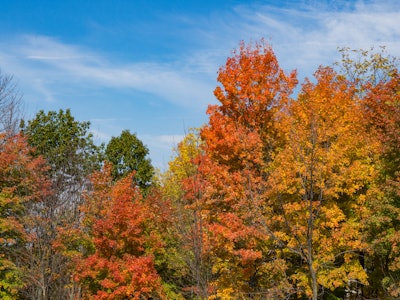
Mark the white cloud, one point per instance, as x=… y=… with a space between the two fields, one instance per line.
x=310 y=37
x=69 y=64
x=307 y=34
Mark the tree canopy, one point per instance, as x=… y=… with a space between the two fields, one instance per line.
x=127 y=153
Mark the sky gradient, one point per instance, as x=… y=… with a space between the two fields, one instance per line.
x=151 y=66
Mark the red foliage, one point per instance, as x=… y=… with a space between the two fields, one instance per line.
x=122 y=264
x=22 y=181
x=382 y=112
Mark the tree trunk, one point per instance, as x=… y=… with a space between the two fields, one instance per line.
x=314 y=283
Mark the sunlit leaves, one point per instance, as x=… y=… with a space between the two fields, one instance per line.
x=317 y=177
x=122 y=264
x=240 y=140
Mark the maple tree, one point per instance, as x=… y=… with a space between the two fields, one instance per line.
x=316 y=185
x=120 y=262
x=382 y=114
x=239 y=143
x=376 y=77
x=254 y=88
x=367 y=68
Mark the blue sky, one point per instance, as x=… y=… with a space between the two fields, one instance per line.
x=151 y=66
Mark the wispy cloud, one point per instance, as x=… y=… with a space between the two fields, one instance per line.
x=75 y=65
x=306 y=36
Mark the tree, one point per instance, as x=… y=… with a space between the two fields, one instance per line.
x=182 y=186
x=65 y=143
x=254 y=89
x=122 y=262
x=10 y=105
x=127 y=153
x=382 y=114
x=240 y=141
x=367 y=68
x=22 y=182
x=317 y=185
x=376 y=77
x=285 y=182
x=71 y=156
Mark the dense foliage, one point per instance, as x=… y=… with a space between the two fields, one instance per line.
x=281 y=195
x=127 y=153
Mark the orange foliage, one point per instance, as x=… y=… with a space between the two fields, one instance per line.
x=122 y=264
x=22 y=180
x=239 y=141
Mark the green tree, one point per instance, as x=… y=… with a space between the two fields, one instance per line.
x=65 y=143
x=71 y=155
x=127 y=153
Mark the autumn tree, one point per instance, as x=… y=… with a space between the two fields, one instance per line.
x=181 y=185
x=127 y=153
x=317 y=185
x=22 y=183
x=375 y=74
x=382 y=114
x=286 y=181
x=367 y=68
x=121 y=263
x=71 y=155
x=240 y=140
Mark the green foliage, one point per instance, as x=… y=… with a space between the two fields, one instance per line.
x=127 y=153
x=10 y=280
x=64 y=142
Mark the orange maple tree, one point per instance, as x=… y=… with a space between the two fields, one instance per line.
x=239 y=142
x=121 y=264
